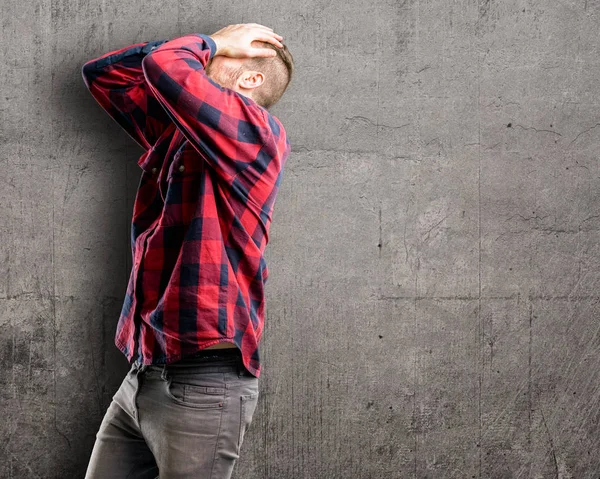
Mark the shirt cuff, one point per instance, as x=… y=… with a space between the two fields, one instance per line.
x=212 y=45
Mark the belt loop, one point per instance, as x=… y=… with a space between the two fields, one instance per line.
x=163 y=374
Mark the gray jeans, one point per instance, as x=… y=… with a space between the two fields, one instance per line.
x=183 y=420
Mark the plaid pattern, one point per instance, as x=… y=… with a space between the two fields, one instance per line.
x=210 y=173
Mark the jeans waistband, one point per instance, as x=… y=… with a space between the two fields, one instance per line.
x=212 y=360
x=212 y=354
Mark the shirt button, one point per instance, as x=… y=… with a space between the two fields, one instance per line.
x=154 y=170
x=181 y=167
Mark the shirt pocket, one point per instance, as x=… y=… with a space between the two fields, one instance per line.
x=186 y=162
x=151 y=161
x=182 y=187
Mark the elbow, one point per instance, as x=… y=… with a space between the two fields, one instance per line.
x=158 y=81
x=88 y=73
x=149 y=69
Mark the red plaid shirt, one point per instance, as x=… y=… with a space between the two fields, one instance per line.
x=210 y=174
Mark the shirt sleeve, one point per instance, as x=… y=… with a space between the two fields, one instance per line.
x=238 y=138
x=117 y=82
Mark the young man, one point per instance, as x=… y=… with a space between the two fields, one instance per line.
x=194 y=309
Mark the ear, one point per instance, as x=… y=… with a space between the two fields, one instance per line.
x=252 y=79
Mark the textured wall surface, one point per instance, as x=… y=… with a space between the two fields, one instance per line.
x=432 y=305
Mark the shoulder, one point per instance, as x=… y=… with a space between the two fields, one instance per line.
x=259 y=113
x=277 y=135
x=260 y=125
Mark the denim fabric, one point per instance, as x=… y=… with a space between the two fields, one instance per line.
x=182 y=420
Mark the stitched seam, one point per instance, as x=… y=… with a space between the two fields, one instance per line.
x=168 y=358
x=225 y=401
x=264 y=143
x=241 y=424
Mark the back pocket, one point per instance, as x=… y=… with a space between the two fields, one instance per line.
x=247 y=408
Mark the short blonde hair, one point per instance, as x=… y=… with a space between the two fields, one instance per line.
x=278 y=72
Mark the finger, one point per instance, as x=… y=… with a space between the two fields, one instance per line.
x=273 y=34
x=263 y=52
x=270 y=32
x=270 y=39
x=263 y=31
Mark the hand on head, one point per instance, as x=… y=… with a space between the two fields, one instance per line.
x=235 y=41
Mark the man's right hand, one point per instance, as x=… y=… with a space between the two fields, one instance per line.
x=235 y=41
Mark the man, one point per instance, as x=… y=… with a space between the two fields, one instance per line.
x=194 y=309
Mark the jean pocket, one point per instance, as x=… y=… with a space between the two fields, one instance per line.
x=196 y=395
x=247 y=408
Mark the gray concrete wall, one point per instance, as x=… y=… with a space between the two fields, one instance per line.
x=432 y=305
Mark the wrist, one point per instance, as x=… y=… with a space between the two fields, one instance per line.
x=218 y=43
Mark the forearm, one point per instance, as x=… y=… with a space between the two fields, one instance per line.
x=121 y=66
x=225 y=127
x=116 y=81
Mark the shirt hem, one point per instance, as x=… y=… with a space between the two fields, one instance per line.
x=167 y=359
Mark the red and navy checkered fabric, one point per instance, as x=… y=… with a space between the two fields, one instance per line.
x=210 y=173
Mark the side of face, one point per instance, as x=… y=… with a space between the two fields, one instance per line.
x=228 y=73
